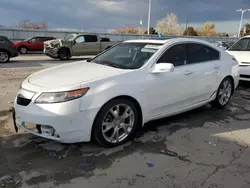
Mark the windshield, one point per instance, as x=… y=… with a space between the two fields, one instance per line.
x=241 y=45
x=70 y=37
x=27 y=39
x=128 y=55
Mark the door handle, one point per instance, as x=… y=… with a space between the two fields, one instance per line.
x=216 y=66
x=188 y=72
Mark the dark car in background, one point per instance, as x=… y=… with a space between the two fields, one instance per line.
x=222 y=44
x=32 y=44
x=7 y=49
x=4 y=39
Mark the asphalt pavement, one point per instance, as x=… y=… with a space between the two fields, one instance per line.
x=206 y=147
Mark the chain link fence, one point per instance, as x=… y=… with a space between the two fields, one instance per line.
x=21 y=34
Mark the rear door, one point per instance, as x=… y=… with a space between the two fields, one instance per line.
x=205 y=65
x=40 y=42
x=93 y=44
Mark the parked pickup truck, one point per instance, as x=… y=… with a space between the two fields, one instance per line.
x=76 y=45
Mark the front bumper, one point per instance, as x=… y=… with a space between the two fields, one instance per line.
x=14 y=54
x=62 y=122
x=245 y=73
x=53 y=52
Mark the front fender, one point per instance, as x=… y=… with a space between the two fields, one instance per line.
x=100 y=94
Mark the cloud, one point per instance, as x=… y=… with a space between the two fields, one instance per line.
x=101 y=15
x=110 y=6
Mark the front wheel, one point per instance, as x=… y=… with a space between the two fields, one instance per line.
x=64 y=54
x=23 y=50
x=224 y=93
x=116 y=123
x=4 y=57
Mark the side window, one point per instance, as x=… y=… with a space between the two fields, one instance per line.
x=241 y=45
x=40 y=39
x=197 y=53
x=80 y=39
x=214 y=54
x=43 y=39
x=175 y=55
x=2 y=39
x=91 y=38
x=33 y=39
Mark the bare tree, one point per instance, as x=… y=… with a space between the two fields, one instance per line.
x=26 y=24
x=168 y=25
x=127 y=29
x=208 y=29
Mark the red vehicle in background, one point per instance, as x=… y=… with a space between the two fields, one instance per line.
x=32 y=44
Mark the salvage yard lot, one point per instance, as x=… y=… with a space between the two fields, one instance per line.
x=206 y=147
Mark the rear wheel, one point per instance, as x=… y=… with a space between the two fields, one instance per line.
x=224 y=93
x=4 y=57
x=22 y=50
x=64 y=54
x=116 y=123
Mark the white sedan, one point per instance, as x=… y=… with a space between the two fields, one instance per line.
x=241 y=51
x=110 y=96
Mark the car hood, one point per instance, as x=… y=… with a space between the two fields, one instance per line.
x=16 y=42
x=58 y=43
x=240 y=56
x=68 y=75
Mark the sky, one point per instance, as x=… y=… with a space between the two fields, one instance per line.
x=104 y=15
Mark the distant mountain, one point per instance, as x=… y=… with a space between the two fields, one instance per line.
x=1 y=26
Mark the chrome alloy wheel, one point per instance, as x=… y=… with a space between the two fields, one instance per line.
x=23 y=50
x=118 y=123
x=4 y=57
x=225 y=92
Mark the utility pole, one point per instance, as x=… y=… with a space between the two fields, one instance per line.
x=149 y=15
x=241 y=19
x=186 y=22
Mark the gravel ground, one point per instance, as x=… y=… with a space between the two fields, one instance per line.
x=206 y=147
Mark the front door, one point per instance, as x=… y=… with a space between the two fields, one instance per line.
x=79 y=47
x=93 y=45
x=170 y=91
x=34 y=44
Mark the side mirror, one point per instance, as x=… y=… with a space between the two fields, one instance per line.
x=163 y=67
x=73 y=42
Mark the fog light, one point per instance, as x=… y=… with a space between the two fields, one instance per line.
x=47 y=130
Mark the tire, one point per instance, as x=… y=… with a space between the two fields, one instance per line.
x=23 y=50
x=103 y=132
x=64 y=54
x=4 y=56
x=224 y=95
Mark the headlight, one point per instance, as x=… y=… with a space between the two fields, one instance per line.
x=56 y=97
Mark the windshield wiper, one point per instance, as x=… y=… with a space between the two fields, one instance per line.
x=109 y=63
x=89 y=60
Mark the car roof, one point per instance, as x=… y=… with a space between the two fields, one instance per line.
x=83 y=34
x=45 y=36
x=174 y=40
x=146 y=41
